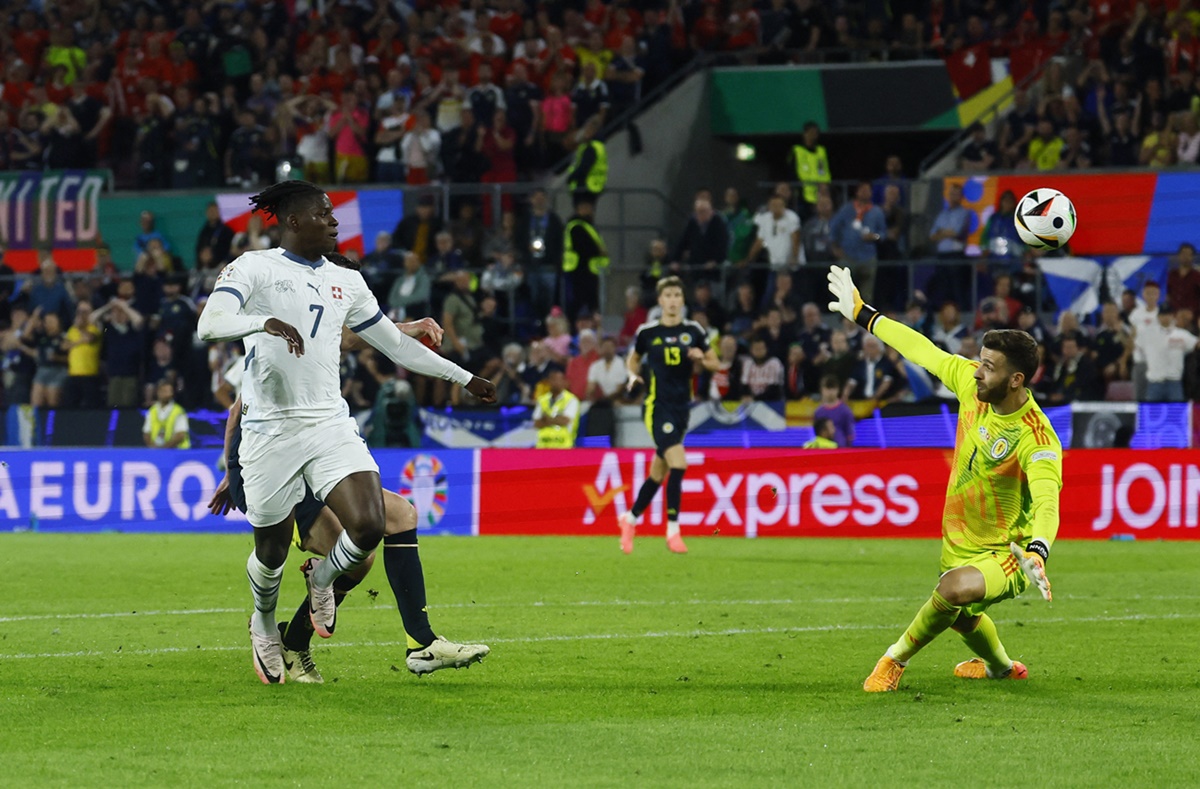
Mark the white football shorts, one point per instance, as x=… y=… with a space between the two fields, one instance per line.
x=276 y=468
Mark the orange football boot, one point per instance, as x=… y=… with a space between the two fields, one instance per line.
x=886 y=676
x=975 y=668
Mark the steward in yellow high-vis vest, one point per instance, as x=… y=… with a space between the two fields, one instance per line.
x=824 y=432
x=166 y=425
x=812 y=163
x=556 y=415
x=584 y=257
x=589 y=171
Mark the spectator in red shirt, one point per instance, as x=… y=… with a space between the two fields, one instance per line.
x=498 y=145
x=1023 y=35
x=596 y=13
x=635 y=315
x=387 y=46
x=708 y=33
x=743 y=26
x=1183 y=49
x=1183 y=282
x=179 y=70
x=31 y=37
x=1056 y=31
x=624 y=24
x=16 y=87
x=57 y=89
x=556 y=58
x=155 y=64
x=578 y=366
x=488 y=56
x=160 y=32
x=129 y=67
x=1110 y=16
x=506 y=23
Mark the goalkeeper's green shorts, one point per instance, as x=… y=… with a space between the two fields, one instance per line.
x=1001 y=573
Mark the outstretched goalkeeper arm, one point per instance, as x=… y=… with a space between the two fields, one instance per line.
x=913 y=345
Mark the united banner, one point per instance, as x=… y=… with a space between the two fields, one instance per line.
x=58 y=209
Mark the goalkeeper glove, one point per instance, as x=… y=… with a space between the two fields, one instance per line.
x=1033 y=563
x=847 y=301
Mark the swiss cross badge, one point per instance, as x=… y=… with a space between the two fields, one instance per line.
x=337 y=291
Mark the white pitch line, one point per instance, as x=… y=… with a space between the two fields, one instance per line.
x=595 y=636
x=616 y=603
x=534 y=604
x=116 y=614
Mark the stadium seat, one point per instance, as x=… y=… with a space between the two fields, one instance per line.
x=1119 y=392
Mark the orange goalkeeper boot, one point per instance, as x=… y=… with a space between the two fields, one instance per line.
x=975 y=668
x=885 y=677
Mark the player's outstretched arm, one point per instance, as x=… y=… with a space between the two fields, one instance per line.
x=913 y=345
x=410 y=354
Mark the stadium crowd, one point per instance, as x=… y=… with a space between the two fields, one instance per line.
x=1123 y=93
x=175 y=94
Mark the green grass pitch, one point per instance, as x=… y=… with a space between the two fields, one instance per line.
x=124 y=661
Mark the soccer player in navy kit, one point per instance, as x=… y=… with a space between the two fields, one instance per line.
x=669 y=348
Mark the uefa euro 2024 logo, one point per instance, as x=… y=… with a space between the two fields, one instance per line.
x=423 y=482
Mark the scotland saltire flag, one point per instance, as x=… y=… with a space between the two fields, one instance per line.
x=1075 y=282
x=1133 y=271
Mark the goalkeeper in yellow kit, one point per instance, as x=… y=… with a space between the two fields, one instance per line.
x=1001 y=513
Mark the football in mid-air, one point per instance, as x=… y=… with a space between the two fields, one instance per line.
x=1045 y=219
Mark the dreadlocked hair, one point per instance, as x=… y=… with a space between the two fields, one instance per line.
x=341 y=261
x=279 y=199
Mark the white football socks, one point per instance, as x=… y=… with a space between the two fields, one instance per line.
x=264 y=586
x=672 y=529
x=344 y=557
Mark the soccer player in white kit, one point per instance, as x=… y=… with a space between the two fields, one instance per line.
x=297 y=429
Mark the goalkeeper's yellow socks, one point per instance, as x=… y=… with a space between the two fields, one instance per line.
x=933 y=618
x=985 y=642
